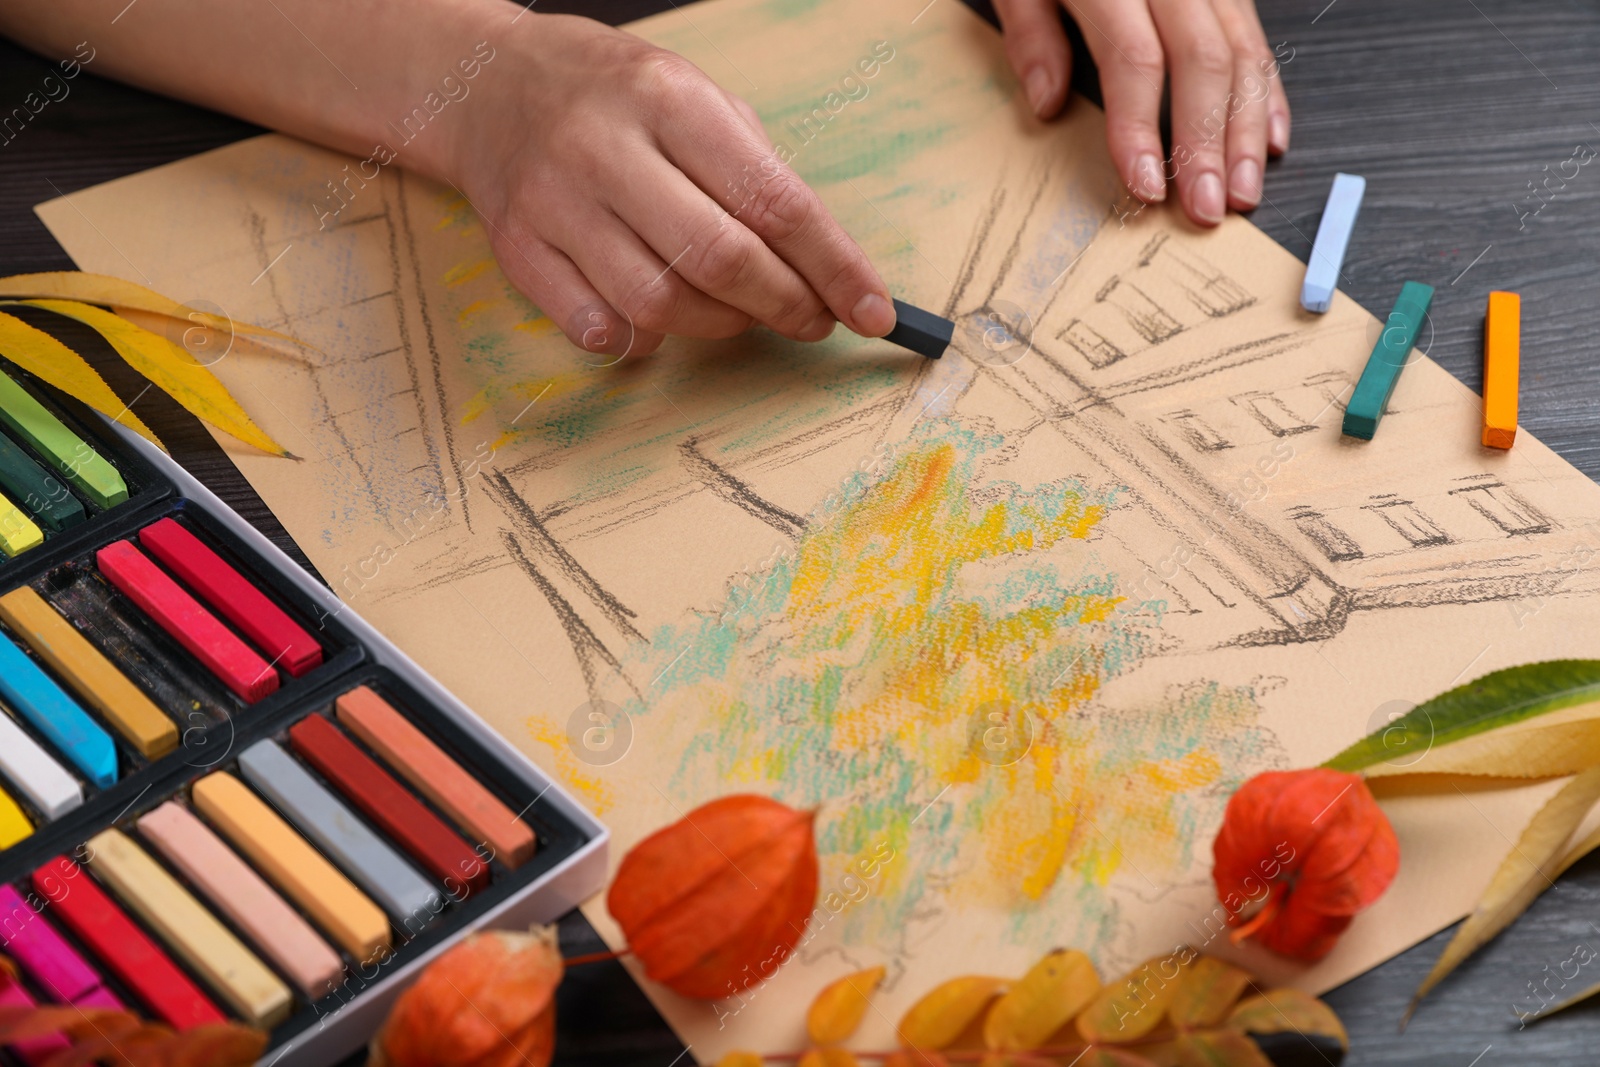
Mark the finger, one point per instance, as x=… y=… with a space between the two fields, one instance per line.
x=1248 y=106
x=716 y=253
x=1037 y=47
x=751 y=117
x=638 y=283
x=1202 y=76
x=715 y=148
x=552 y=281
x=1123 y=40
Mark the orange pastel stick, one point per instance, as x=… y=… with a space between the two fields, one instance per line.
x=1502 y=356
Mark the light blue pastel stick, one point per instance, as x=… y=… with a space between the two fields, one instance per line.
x=1333 y=236
x=408 y=898
x=31 y=694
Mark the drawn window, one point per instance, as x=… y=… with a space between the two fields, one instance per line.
x=1148 y=319
x=1333 y=386
x=1503 y=507
x=1211 y=290
x=1094 y=346
x=1337 y=545
x=1272 y=412
x=1198 y=433
x=1409 y=522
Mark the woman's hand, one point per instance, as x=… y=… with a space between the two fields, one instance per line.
x=631 y=197
x=1228 y=106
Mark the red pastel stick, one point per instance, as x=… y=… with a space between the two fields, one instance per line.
x=232 y=595
x=383 y=800
x=178 y=613
x=125 y=950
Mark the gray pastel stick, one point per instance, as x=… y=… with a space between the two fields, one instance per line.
x=410 y=901
x=921 y=331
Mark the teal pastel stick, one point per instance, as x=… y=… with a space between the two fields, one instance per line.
x=30 y=693
x=1388 y=359
x=37 y=491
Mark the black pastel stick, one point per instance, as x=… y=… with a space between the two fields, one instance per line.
x=920 y=331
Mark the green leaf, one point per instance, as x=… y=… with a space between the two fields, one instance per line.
x=1497 y=699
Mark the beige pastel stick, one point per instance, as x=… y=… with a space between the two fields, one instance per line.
x=191 y=931
x=89 y=673
x=435 y=775
x=348 y=916
x=241 y=895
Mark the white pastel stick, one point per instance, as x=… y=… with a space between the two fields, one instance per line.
x=26 y=765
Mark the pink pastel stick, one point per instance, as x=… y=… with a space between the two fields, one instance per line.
x=52 y=963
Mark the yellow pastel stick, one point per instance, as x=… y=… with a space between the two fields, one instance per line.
x=60 y=645
x=1502 y=356
x=192 y=932
x=332 y=901
x=14 y=825
x=18 y=533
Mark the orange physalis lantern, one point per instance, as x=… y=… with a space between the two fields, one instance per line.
x=488 y=1002
x=715 y=902
x=1298 y=855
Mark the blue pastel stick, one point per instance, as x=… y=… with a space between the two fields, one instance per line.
x=1333 y=236
x=31 y=693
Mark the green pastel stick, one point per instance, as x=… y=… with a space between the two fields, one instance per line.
x=40 y=493
x=65 y=450
x=1388 y=359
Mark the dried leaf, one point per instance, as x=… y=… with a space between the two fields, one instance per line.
x=829 y=1057
x=1553 y=745
x=117 y=293
x=1042 y=1001
x=1279 y=1011
x=488 y=1002
x=1219 y=1048
x=170 y=367
x=1206 y=993
x=715 y=902
x=1133 y=1005
x=1497 y=699
x=214 y=1046
x=1524 y=873
x=947 y=1009
x=1099 y=1056
x=53 y=362
x=741 y=1059
x=20 y=1023
x=840 y=1007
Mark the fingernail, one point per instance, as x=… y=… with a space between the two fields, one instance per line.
x=872 y=316
x=1038 y=83
x=1205 y=199
x=1148 y=184
x=819 y=327
x=1278 y=133
x=1246 y=182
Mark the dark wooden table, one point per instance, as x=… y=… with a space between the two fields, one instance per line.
x=1449 y=108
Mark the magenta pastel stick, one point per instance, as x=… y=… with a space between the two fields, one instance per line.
x=54 y=965
x=38 y=1049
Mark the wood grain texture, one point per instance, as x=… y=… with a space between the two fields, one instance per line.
x=1449 y=108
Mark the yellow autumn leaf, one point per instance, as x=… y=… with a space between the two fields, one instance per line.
x=740 y=1059
x=171 y=368
x=841 y=1006
x=1553 y=745
x=829 y=1057
x=949 y=1008
x=1279 y=1011
x=1219 y=1048
x=53 y=362
x=1041 y=1001
x=1133 y=1005
x=1206 y=993
x=117 y=293
x=1526 y=871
